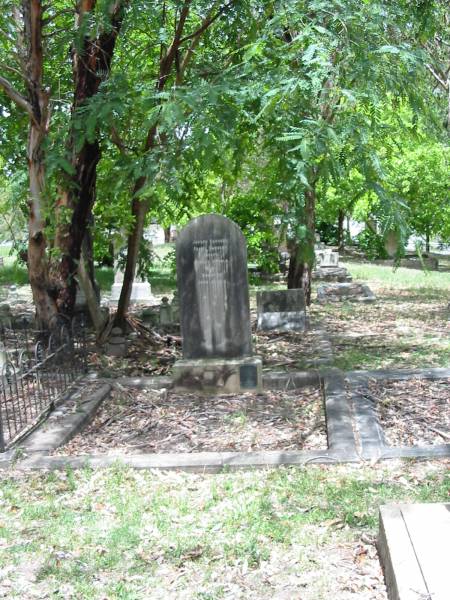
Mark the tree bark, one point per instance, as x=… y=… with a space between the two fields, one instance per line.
x=38 y=98
x=85 y=279
x=341 y=233
x=91 y=65
x=167 y=234
x=302 y=251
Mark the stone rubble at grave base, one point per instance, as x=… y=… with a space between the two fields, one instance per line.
x=334 y=274
x=338 y=292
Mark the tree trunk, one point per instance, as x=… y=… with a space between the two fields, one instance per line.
x=341 y=233
x=302 y=251
x=140 y=205
x=167 y=234
x=427 y=243
x=139 y=208
x=86 y=282
x=91 y=65
x=37 y=260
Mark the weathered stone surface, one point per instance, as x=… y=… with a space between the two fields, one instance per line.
x=213 y=289
x=165 y=312
x=117 y=344
x=337 y=292
x=141 y=293
x=211 y=375
x=281 y=301
x=336 y=274
x=282 y=310
x=325 y=257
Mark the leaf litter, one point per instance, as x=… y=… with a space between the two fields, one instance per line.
x=141 y=421
x=414 y=411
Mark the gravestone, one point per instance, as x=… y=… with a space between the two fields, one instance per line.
x=165 y=312
x=141 y=292
x=283 y=310
x=327 y=265
x=325 y=257
x=117 y=344
x=214 y=308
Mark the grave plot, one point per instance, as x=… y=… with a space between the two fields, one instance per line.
x=287 y=351
x=413 y=412
x=148 y=421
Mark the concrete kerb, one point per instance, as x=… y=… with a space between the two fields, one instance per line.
x=371 y=437
x=341 y=437
x=199 y=462
x=342 y=446
x=56 y=432
x=37 y=448
x=373 y=442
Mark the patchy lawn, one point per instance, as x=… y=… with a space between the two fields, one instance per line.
x=119 y=533
x=408 y=326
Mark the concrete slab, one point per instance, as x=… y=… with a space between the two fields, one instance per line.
x=414 y=546
x=197 y=462
x=338 y=410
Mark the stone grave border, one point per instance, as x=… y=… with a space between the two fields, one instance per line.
x=371 y=439
x=353 y=430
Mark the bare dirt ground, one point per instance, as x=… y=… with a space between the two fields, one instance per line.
x=413 y=412
x=138 y=421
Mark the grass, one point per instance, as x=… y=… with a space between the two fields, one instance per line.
x=419 y=281
x=13 y=274
x=130 y=534
x=407 y=327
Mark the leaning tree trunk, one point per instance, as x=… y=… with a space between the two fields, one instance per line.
x=38 y=98
x=140 y=205
x=139 y=208
x=91 y=65
x=302 y=251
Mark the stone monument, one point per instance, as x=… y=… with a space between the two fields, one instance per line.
x=214 y=309
x=283 y=310
x=327 y=265
x=141 y=292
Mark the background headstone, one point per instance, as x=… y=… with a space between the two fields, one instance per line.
x=213 y=289
x=283 y=310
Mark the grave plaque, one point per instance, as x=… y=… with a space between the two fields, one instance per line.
x=213 y=289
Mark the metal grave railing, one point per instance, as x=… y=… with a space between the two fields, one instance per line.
x=37 y=369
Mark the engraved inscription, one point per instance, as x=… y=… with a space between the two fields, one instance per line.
x=211 y=267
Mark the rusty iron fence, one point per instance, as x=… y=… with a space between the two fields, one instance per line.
x=37 y=369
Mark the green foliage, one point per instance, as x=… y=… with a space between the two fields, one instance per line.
x=372 y=244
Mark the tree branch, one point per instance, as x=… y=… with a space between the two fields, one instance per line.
x=438 y=78
x=207 y=22
x=14 y=70
x=168 y=59
x=117 y=141
x=17 y=98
